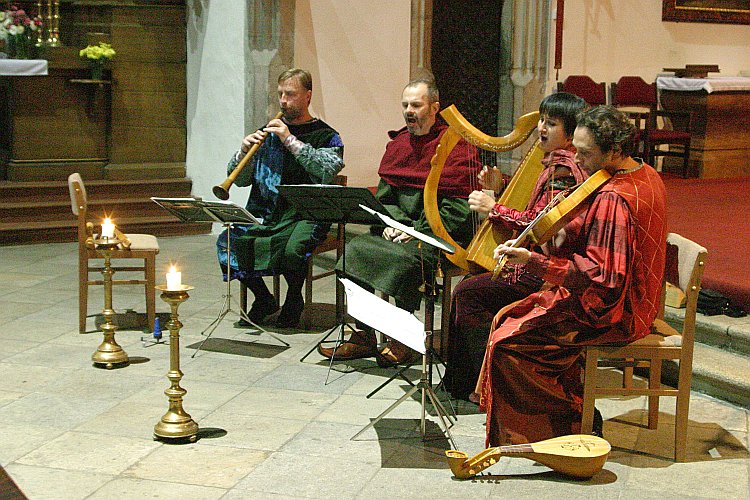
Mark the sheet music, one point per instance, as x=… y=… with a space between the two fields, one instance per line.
x=198 y=210
x=444 y=246
x=384 y=317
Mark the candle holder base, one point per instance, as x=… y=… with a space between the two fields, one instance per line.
x=176 y=425
x=110 y=355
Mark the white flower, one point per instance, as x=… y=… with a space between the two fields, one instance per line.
x=13 y=30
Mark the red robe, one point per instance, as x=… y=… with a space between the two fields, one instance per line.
x=605 y=288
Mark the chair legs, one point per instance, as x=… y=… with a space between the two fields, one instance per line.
x=150 y=271
x=589 y=388
x=83 y=295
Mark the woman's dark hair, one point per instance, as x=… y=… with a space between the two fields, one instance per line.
x=563 y=106
x=610 y=128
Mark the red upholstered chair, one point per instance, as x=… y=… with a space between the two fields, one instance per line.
x=632 y=91
x=583 y=86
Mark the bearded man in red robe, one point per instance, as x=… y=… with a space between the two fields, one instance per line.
x=603 y=287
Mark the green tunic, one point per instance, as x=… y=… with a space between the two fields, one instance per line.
x=284 y=242
x=396 y=268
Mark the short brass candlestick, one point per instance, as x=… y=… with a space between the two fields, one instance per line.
x=176 y=423
x=109 y=353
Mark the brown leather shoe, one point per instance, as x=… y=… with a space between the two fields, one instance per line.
x=396 y=353
x=360 y=345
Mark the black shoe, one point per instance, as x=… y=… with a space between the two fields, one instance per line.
x=598 y=427
x=263 y=311
x=290 y=314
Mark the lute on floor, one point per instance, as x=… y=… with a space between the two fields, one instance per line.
x=576 y=455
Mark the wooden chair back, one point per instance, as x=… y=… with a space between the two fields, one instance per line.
x=135 y=246
x=585 y=87
x=685 y=265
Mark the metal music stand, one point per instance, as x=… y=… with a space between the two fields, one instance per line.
x=425 y=380
x=228 y=214
x=330 y=203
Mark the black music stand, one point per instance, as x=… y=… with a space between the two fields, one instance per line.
x=331 y=203
x=228 y=214
x=425 y=380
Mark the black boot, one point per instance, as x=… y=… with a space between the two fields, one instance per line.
x=294 y=304
x=598 y=427
x=264 y=307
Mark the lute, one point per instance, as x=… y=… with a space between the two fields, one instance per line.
x=577 y=455
x=558 y=212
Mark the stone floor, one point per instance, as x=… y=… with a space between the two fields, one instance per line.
x=270 y=425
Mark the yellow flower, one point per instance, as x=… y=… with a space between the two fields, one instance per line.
x=97 y=52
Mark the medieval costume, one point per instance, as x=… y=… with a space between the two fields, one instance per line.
x=605 y=287
x=478 y=298
x=284 y=242
x=396 y=269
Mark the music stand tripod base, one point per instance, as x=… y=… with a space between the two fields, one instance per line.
x=427 y=392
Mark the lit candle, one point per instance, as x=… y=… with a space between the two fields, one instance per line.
x=108 y=229
x=174 y=279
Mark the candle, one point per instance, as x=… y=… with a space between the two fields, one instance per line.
x=174 y=279
x=108 y=229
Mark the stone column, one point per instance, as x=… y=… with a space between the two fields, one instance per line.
x=525 y=28
x=269 y=51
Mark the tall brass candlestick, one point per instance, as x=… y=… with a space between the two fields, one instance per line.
x=109 y=353
x=40 y=31
x=54 y=34
x=48 y=23
x=176 y=423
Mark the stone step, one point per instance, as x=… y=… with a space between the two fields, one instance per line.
x=718 y=331
x=38 y=212
x=61 y=210
x=26 y=192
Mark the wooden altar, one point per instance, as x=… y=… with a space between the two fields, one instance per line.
x=129 y=125
x=720 y=142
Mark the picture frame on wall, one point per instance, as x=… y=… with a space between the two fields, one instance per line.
x=706 y=11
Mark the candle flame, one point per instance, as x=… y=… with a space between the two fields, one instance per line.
x=107 y=221
x=173 y=269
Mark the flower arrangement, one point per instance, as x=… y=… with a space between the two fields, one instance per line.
x=102 y=52
x=97 y=55
x=20 y=31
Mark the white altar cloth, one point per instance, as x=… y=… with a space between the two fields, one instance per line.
x=27 y=67
x=713 y=84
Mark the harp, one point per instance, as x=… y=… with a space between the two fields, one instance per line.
x=478 y=253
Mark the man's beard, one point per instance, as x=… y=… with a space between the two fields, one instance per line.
x=291 y=113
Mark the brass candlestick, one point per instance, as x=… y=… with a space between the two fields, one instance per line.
x=53 y=18
x=176 y=423
x=40 y=32
x=109 y=353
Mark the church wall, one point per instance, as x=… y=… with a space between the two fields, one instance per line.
x=607 y=39
x=358 y=54
x=216 y=91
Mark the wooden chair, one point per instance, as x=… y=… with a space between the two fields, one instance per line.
x=134 y=246
x=586 y=88
x=659 y=124
x=685 y=265
x=334 y=241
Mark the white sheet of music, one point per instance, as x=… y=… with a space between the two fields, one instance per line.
x=384 y=317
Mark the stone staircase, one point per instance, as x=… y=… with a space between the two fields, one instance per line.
x=40 y=212
x=721 y=361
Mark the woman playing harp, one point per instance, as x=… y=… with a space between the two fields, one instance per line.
x=478 y=297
